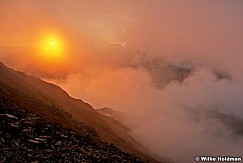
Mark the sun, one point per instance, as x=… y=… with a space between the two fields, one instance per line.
x=51 y=49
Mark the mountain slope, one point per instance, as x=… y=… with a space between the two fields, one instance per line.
x=28 y=137
x=52 y=102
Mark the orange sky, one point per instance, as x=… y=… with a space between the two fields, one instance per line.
x=170 y=28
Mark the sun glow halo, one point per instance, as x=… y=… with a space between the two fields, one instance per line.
x=51 y=49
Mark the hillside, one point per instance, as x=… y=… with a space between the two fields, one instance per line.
x=25 y=136
x=56 y=106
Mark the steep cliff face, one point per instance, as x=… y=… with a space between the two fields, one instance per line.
x=56 y=105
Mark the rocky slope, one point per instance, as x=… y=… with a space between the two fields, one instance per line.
x=55 y=106
x=29 y=137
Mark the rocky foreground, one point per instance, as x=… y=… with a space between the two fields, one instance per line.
x=28 y=137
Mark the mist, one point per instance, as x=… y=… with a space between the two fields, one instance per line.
x=173 y=66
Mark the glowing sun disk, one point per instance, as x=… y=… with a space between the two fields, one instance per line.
x=51 y=49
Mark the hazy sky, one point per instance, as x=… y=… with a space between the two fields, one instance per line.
x=173 y=62
x=182 y=29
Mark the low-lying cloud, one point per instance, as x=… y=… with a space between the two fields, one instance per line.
x=199 y=114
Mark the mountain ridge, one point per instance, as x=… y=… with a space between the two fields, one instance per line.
x=24 y=87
